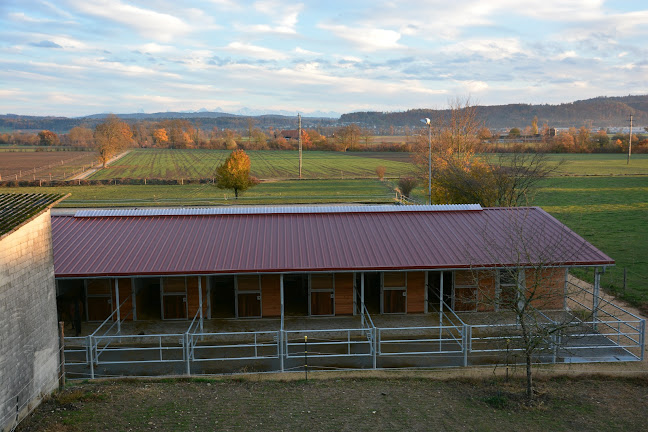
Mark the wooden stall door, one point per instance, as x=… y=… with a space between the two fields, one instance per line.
x=321 y=303
x=394 y=292
x=99 y=308
x=175 y=307
x=394 y=301
x=248 y=292
x=249 y=305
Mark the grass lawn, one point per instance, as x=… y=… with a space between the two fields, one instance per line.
x=348 y=404
x=177 y=164
x=612 y=214
x=280 y=192
x=602 y=164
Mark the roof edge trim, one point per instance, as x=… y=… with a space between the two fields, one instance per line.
x=209 y=211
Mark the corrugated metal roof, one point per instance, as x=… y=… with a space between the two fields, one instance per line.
x=273 y=210
x=308 y=241
x=16 y=208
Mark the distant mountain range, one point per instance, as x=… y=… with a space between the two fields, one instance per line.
x=600 y=112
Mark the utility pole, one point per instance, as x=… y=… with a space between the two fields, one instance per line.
x=300 y=144
x=630 y=144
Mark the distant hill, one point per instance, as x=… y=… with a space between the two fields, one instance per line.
x=598 y=112
x=205 y=120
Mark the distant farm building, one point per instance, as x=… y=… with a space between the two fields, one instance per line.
x=290 y=134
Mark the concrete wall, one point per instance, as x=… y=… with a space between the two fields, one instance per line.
x=29 y=346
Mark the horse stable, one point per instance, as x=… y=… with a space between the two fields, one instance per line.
x=164 y=264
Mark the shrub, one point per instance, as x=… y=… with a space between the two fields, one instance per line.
x=406 y=185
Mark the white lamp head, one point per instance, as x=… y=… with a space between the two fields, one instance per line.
x=426 y=121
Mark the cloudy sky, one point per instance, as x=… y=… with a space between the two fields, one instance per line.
x=78 y=57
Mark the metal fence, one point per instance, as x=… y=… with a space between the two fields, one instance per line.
x=593 y=329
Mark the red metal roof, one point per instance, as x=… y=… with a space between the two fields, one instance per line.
x=304 y=242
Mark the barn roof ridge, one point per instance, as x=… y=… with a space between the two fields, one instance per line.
x=268 y=210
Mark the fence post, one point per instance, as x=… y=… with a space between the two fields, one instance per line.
x=375 y=346
x=643 y=338
x=186 y=353
x=280 y=349
x=464 y=341
x=90 y=356
x=595 y=297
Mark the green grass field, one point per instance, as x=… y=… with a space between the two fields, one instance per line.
x=601 y=164
x=608 y=206
x=193 y=164
x=612 y=214
x=280 y=192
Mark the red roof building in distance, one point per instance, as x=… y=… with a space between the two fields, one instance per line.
x=246 y=259
x=290 y=134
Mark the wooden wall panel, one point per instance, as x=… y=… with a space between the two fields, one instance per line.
x=344 y=294
x=415 y=292
x=549 y=285
x=125 y=291
x=193 y=297
x=270 y=296
x=487 y=284
x=466 y=286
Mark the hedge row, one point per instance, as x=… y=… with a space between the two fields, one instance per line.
x=125 y=181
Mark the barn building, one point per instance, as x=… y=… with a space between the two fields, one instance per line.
x=162 y=264
x=366 y=286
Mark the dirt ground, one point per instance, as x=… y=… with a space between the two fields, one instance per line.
x=327 y=403
x=580 y=397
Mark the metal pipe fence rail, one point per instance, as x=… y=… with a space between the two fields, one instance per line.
x=605 y=337
x=420 y=340
x=327 y=343
x=234 y=346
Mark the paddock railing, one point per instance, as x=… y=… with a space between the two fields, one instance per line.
x=590 y=329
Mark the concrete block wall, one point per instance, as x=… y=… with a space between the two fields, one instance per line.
x=29 y=346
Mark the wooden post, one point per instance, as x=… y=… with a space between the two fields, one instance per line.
x=61 y=355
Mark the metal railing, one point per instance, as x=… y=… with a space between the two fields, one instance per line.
x=604 y=319
x=327 y=343
x=581 y=334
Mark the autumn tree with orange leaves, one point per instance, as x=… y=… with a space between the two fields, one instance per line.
x=160 y=137
x=234 y=173
x=111 y=137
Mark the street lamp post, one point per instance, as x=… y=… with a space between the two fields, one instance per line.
x=429 y=125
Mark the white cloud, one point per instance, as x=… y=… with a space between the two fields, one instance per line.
x=255 y=51
x=99 y=64
x=475 y=86
x=566 y=55
x=300 y=50
x=493 y=49
x=154 y=48
x=7 y=93
x=21 y=17
x=159 y=26
x=283 y=16
x=367 y=39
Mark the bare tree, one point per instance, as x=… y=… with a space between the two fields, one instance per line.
x=460 y=176
x=529 y=291
x=348 y=137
